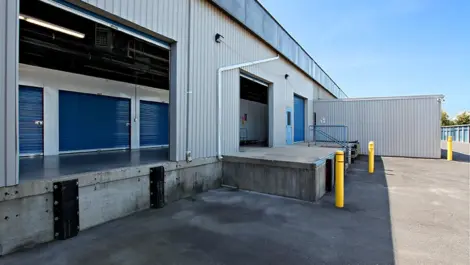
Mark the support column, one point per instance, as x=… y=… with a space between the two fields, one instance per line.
x=9 y=28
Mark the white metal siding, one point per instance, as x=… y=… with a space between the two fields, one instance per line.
x=400 y=126
x=8 y=92
x=170 y=18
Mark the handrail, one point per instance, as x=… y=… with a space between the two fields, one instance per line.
x=333 y=139
x=337 y=134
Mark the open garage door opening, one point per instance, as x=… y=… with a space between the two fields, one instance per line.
x=254 y=112
x=87 y=86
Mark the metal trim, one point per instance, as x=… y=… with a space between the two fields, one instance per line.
x=106 y=22
x=95 y=150
x=254 y=79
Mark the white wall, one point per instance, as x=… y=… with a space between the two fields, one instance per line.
x=52 y=81
x=257 y=121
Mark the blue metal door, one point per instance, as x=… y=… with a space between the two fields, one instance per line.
x=288 y=126
x=153 y=123
x=30 y=123
x=92 y=122
x=299 y=119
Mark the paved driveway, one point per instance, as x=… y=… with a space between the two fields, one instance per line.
x=410 y=211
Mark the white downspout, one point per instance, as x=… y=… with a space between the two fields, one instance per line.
x=219 y=96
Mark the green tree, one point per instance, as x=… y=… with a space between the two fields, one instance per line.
x=445 y=120
x=463 y=118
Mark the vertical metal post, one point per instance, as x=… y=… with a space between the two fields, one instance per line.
x=449 y=148
x=339 y=179
x=371 y=157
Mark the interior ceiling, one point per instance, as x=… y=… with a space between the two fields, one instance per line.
x=253 y=91
x=103 y=52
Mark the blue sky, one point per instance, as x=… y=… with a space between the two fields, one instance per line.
x=386 y=48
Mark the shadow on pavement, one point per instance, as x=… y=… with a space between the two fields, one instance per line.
x=460 y=151
x=456 y=156
x=238 y=227
x=368 y=224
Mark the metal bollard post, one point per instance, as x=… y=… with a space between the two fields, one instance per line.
x=371 y=157
x=339 y=179
x=449 y=148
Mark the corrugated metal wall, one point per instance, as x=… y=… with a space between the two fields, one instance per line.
x=8 y=92
x=401 y=126
x=240 y=46
x=170 y=18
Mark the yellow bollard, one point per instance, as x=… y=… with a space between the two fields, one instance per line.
x=371 y=157
x=449 y=148
x=339 y=179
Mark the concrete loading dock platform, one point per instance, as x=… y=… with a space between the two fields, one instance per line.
x=295 y=171
x=121 y=186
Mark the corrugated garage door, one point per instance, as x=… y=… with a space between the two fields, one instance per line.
x=153 y=123
x=299 y=119
x=30 y=113
x=93 y=122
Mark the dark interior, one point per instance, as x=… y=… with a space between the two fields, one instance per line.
x=103 y=52
x=253 y=91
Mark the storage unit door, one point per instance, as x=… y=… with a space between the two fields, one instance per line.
x=153 y=123
x=299 y=119
x=30 y=114
x=91 y=122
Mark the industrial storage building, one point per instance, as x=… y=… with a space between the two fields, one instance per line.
x=111 y=107
x=196 y=77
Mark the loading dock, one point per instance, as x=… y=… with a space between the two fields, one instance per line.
x=254 y=111
x=94 y=92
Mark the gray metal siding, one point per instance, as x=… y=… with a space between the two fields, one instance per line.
x=251 y=14
x=401 y=126
x=8 y=92
x=168 y=18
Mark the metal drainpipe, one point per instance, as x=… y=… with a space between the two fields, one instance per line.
x=219 y=96
x=188 y=91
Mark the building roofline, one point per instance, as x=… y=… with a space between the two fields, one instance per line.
x=285 y=30
x=437 y=96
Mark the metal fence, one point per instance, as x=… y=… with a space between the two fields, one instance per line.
x=460 y=133
x=328 y=135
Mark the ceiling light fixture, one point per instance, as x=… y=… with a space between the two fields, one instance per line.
x=48 y=25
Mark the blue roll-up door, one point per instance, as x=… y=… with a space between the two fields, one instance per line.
x=30 y=114
x=153 y=123
x=93 y=122
x=299 y=119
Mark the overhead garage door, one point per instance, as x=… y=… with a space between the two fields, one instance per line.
x=153 y=123
x=30 y=113
x=93 y=122
x=299 y=119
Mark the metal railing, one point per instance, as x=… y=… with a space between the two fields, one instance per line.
x=328 y=135
x=459 y=133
